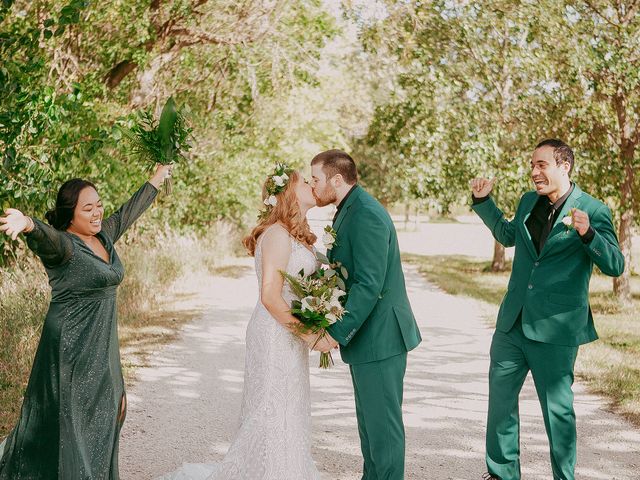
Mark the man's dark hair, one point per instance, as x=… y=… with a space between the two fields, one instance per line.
x=337 y=162
x=561 y=151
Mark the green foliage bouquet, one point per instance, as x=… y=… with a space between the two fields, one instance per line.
x=164 y=141
x=321 y=300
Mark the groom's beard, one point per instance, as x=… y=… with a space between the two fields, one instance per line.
x=326 y=197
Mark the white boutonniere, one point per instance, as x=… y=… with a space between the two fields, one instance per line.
x=567 y=220
x=329 y=237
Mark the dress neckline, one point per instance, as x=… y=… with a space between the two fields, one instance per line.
x=102 y=241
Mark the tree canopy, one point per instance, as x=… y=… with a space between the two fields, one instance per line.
x=426 y=94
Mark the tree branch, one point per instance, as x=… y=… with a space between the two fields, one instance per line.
x=631 y=12
x=115 y=76
x=595 y=10
x=250 y=27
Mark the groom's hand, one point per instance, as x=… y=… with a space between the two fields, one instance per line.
x=326 y=344
x=481 y=187
x=331 y=341
x=580 y=221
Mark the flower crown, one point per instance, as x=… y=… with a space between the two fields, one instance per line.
x=276 y=183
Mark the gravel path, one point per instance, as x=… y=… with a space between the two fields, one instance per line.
x=184 y=405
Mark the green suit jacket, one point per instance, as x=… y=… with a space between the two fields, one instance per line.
x=379 y=322
x=551 y=289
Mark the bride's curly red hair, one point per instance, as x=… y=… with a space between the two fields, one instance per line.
x=287 y=212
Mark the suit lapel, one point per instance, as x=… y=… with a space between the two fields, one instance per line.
x=345 y=208
x=558 y=227
x=525 y=231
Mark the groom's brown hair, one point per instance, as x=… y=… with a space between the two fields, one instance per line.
x=337 y=162
x=561 y=151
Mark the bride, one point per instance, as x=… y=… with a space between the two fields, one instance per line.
x=273 y=441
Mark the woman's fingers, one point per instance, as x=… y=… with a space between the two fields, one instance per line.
x=13 y=223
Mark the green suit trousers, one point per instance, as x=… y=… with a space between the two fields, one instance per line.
x=512 y=356
x=378 y=392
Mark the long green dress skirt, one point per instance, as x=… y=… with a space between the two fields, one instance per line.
x=72 y=410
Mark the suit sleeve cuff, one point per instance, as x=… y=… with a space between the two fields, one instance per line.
x=478 y=200
x=588 y=236
x=339 y=335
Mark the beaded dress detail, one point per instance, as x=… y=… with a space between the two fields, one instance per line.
x=273 y=441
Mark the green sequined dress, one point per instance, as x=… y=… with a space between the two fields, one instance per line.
x=71 y=414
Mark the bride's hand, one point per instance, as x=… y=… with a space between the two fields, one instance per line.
x=325 y=345
x=310 y=339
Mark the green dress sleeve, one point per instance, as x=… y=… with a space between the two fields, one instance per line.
x=54 y=247
x=118 y=223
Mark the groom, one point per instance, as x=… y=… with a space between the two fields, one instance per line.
x=559 y=233
x=379 y=328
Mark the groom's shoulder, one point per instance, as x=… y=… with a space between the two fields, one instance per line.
x=366 y=204
x=590 y=200
x=367 y=200
x=528 y=198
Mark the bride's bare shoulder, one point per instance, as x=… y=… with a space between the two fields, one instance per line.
x=275 y=235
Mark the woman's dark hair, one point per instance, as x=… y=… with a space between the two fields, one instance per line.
x=60 y=217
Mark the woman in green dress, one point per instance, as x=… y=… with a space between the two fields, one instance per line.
x=75 y=403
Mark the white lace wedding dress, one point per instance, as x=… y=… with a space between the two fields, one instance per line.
x=274 y=438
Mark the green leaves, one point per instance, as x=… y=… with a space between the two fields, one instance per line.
x=166 y=130
x=57 y=54
x=322 y=258
x=164 y=141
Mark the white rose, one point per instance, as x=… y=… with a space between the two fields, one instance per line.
x=279 y=181
x=271 y=200
x=332 y=318
x=285 y=177
x=568 y=220
x=328 y=240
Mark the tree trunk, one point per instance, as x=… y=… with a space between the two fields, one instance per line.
x=115 y=76
x=147 y=79
x=407 y=215
x=622 y=285
x=117 y=73
x=498 y=264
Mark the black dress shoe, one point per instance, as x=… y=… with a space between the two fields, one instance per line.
x=488 y=476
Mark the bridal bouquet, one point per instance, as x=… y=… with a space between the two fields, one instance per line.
x=163 y=141
x=321 y=300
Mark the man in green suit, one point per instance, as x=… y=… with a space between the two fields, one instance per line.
x=379 y=327
x=559 y=233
